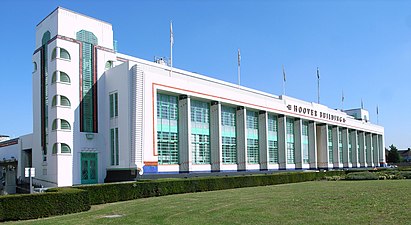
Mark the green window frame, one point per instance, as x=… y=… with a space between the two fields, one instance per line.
x=54 y=101
x=109 y=65
x=65 y=148
x=64 y=78
x=54 y=125
x=54 y=54
x=253 y=154
x=114 y=146
x=64 y=54
x=64 y=101
x=65 y=125
x=228 y=135
x=113 y=104
x=330 y=145
x=34 y=67
x=54 y=77
x=305 y=142
x=200 y=132
x=167 y=129
x=290 y=140
x=54 y=150
x=272 y=125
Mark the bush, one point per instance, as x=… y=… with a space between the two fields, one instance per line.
x=361 y=176
x=113 y=192
x=31 y=206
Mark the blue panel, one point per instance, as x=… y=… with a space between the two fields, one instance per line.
x=150 y=169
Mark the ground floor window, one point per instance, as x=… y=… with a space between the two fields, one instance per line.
x=229 y=150
x=252 y=151
x=201 y=148
x=167 y=145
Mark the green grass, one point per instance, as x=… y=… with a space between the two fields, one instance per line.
x=321 y=202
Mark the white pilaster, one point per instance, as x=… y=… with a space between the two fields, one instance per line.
x=361 y=142
x=376 y=150
x=215 y=136
x=282 y=142
x=312 y=144
x=345 y=142
x=354 y=148
x=322 y=146
x=298 y=144
x=263 y=140
x=241 y=138
x=184 y=134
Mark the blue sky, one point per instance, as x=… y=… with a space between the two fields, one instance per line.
x=361 y=47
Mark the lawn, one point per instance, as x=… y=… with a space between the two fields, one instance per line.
x=318 y=202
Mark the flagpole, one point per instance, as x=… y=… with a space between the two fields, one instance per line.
x=342 y=100
x=377 y=114
x=318 y=86
x=171 y=47
x=284 y=80
x=239 y=67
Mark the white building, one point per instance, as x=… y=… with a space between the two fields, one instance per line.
x=100 y=115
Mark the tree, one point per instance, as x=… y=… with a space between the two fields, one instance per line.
x=393 y=155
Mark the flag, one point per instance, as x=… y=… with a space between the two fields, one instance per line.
x=377 y=110
x=239 y=57
x=318 y=73
x=362 y=104
x=171 y=33
x=284 y=77
x=342 y=96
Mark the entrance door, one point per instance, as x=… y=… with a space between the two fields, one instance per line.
x=89 y=168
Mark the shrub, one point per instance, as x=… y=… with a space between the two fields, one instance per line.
x=30 y=206
x=113 y=192
x=405 y=174
x=361 y=176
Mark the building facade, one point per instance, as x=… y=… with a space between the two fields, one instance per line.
x=102 y=116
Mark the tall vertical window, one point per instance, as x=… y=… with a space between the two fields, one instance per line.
x=113 y=105
x=88 y=77
x=340 y=145
x=253 y=155
x=114 y=147
x=44 y=93
x=167 y=129
x=200 y=132
x=290 y=140
x=272 y=138
x=305 y=143
x=350 y=147
x=228 y=134
x=330 y=145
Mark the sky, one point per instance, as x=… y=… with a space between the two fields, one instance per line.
x=362 y=49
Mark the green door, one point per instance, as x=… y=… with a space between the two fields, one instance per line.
x=89 y=168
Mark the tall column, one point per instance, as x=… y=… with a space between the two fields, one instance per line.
x=376 y=150
x=215 y=136
x=361 y=142
x=263 y=139
x=354 y=148
x=322 y=146
x=241 y=138
x=184 y=134
x=312 y=144
x=282 y=142
x=381 y=148
x=298 y=143
x=345 y=142
x=336 y=149
x=369 y=152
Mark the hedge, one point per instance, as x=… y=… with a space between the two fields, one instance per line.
x=31 y=206
x=58 y=201
x=114 y=192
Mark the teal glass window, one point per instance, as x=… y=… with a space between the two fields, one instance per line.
x=64 y=77
x=54 y=125
x=54 y=54
x=167 y=129
x=114 y=147
x=65 y=148
x=290 y=140
x=88 y=107
x=54 y=101
x=200 y=132
x=54 y=149
x=54 y=77
x=305 y=141
x=34 y=67
x=65 y=125
x=64 y=54
x=113 y=105
x=330 y=145
x=109 y=64
x=253 y=155
x=228 y=134
x=272 y=138
x=64 y=101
